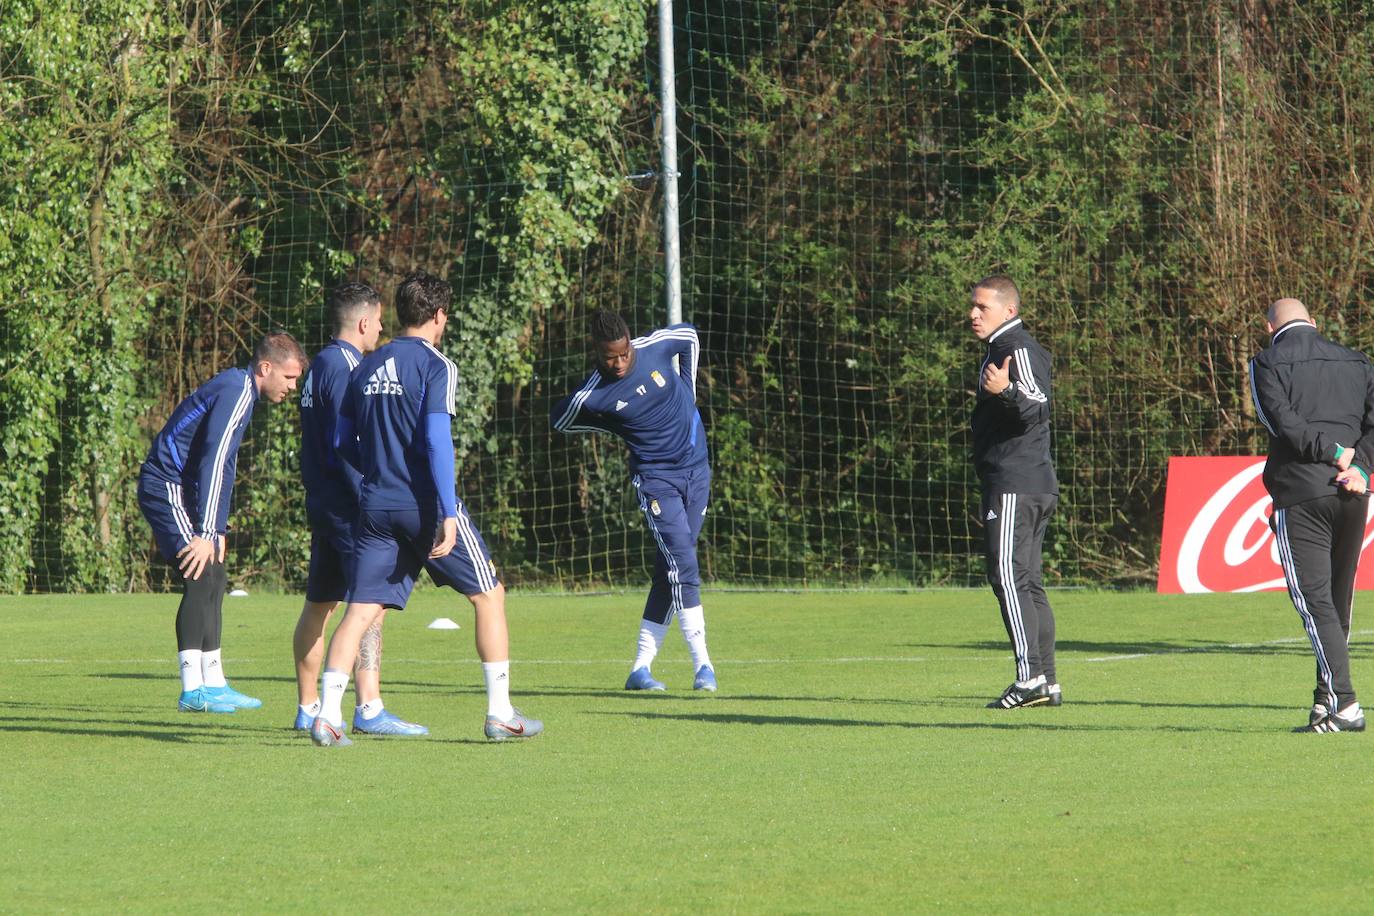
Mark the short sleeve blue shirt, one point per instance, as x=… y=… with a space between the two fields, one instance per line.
x=330 y=482
x=390 y=395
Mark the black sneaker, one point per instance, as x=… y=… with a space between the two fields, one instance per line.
x=1014 y=697
x=1335 y=722
x=1056 y=695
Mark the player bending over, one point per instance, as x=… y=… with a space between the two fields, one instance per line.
x=636 y=393
x=331 y=505
x=184 y=489
x=394 y=425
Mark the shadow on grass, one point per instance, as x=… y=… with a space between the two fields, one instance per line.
x=1021 y=725
x=168 y=732
x=241 y=679
x=1157 y=647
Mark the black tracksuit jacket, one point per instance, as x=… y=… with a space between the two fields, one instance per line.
x=1011 y=430
x=1312 y=395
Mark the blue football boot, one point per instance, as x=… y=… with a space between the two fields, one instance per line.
x=518 y=725
x=197 y=701
x=386 y=722
x=705 y=679
x=326 y=735
x=641 y=679
x=231 y=697
x=304 y=720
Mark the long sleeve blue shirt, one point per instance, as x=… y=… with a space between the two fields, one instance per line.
x=198 y=447
x=653 y=408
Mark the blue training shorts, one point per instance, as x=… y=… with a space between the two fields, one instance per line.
x=391 y=546
x=331 y=554
x=164 y=506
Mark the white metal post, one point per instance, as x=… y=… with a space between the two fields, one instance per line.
x=672 y=252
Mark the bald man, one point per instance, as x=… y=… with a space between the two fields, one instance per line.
x=1316 y=398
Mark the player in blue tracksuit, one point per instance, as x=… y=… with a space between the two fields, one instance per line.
x=638 y=394
x=332 y=486
x=184 y=489
x=395 y=426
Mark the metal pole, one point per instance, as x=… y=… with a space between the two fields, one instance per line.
x=672 y=252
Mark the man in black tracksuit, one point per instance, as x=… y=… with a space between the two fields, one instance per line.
x=1316 y=398
x=1011 y=453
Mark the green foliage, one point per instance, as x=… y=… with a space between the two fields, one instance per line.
x=83 y=146
x=174 y=181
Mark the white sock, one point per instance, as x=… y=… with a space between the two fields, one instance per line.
x=311 y=709
x=191 y=677
x=1353 y=711
x=650 y=640
x=692 y=620
x=212 y=668
x=332 y=687
x=371 y=709
x=1033 y=682
x=497 y=675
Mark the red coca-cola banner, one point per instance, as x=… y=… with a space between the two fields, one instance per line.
x=1216 y=530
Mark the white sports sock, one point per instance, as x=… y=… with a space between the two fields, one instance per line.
x=212 y=669
x=1353 y=711
x=650 y=640
x=191 y=677
x=311 y=709
x=497 y=675
x=332 y=686
x=371 y=709
x=1033 y=682
x=692 y=620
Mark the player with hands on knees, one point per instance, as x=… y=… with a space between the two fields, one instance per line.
x=184 y=488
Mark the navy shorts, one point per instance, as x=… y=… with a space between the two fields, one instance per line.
x=392 y=545
x=331 y=554
x=164 y=506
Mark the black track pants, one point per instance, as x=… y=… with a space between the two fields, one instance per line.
x=1014 y=525
x=1319 y=548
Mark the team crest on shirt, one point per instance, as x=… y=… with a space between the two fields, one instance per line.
x=658 y=379
x=653 y=507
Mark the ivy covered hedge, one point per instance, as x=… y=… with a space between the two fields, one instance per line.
x=177 y=178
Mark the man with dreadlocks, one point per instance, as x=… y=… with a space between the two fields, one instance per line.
x=638 y=394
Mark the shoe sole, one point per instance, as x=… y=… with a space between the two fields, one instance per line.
x=509 y=737
x=1039 y=701
x=357 y=730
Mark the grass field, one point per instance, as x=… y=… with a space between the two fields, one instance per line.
x=847 y=764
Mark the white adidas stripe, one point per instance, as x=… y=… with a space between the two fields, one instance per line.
x=212 y=498
x=675 y=586
x=1006 y=570
x=564 y=423
x=1309 y=623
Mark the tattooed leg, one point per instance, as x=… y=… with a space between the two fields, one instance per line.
x=367 y=673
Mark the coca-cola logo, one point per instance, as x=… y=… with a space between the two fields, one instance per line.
x=1216 y=529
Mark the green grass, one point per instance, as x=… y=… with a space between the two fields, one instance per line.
x=847 y=764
